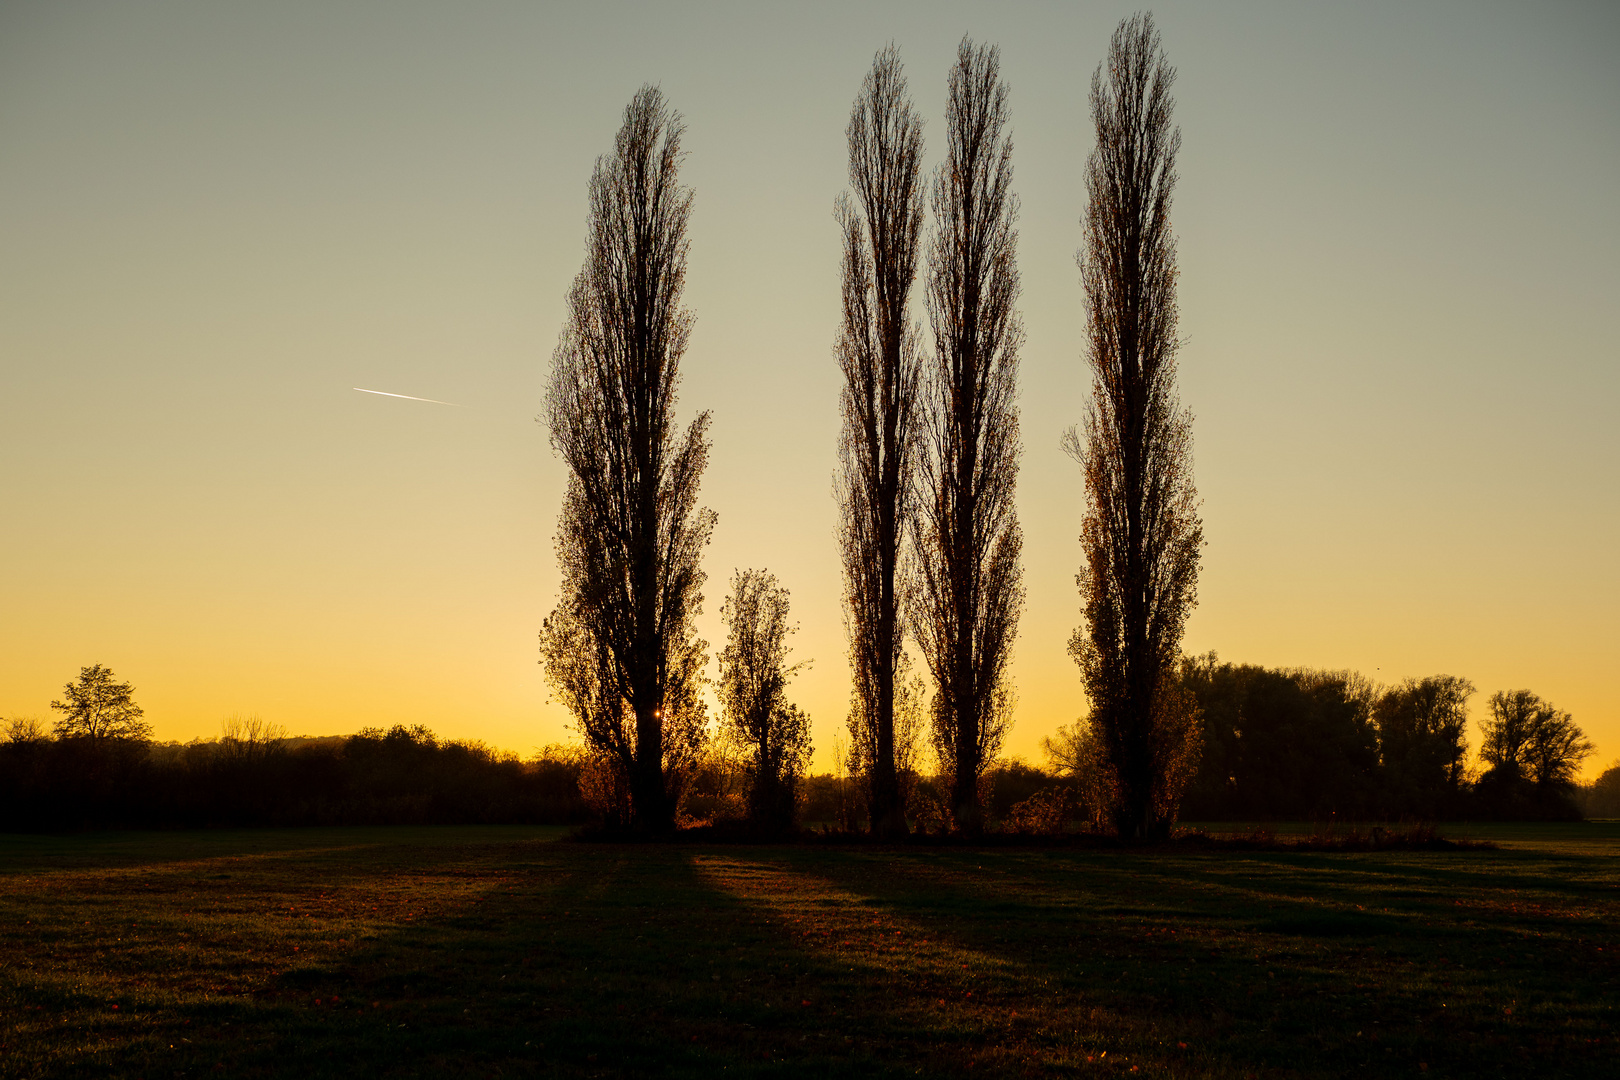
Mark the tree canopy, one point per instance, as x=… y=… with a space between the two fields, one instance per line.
x=97 y=706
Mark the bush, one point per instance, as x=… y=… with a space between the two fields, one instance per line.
x=1045 y=813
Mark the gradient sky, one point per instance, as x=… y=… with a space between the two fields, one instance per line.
x=1398 y=231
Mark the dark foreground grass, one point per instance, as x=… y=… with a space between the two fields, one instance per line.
x=497 y=952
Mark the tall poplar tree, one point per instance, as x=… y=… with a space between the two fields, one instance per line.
x=879 y=356
x=621 y=647
x=970 y=587
x=1141 y=532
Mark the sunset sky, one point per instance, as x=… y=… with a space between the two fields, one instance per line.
x=1398 y=230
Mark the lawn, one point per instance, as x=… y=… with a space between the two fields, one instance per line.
x=502 y=952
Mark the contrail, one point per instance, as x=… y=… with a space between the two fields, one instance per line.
x=408 y=397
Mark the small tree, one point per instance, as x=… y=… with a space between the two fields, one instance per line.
x=1076 y=752
x=970 y=588
x=1141 y=533
x=753 y=682
x=96 y=706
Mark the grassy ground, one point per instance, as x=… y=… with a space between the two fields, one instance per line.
x=495 y=952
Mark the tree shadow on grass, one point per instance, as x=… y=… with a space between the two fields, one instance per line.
x=32 y=853
x=527 y=959
x=1255 y=964
x=484 y=959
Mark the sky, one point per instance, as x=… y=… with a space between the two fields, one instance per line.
x=1397 y=228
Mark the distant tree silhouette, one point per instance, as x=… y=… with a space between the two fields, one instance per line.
x=1506 y=732
x=1141 y=533
x=1421 y=743
x=23 y=731
x=1531 y=751
x=753 y=694
x=621 y=645
x=247 y=739
x=1557 y=748
x=251 y=777
x=1282 y=743
x=96 y=706
x=968 y=541
x=879 y=356
x=1602 y=796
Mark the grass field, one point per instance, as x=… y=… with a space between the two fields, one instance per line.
x=498 y=952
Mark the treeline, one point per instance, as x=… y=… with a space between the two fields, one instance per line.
x=254 y=777
x=1269 y=744
x=1273 y=744
x=1304 y=744
x=1279 y=745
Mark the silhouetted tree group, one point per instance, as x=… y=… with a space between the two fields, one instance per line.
x=928 y=453
x=1290 y=744
x=928 y=532
x=930 y=546
x=1531 y=752
x=927 y=472
x=928 y=459
x=402 y=776
x=99 y=769
x=1302 y=744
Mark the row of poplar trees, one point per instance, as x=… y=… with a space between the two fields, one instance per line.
x=928 y=460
